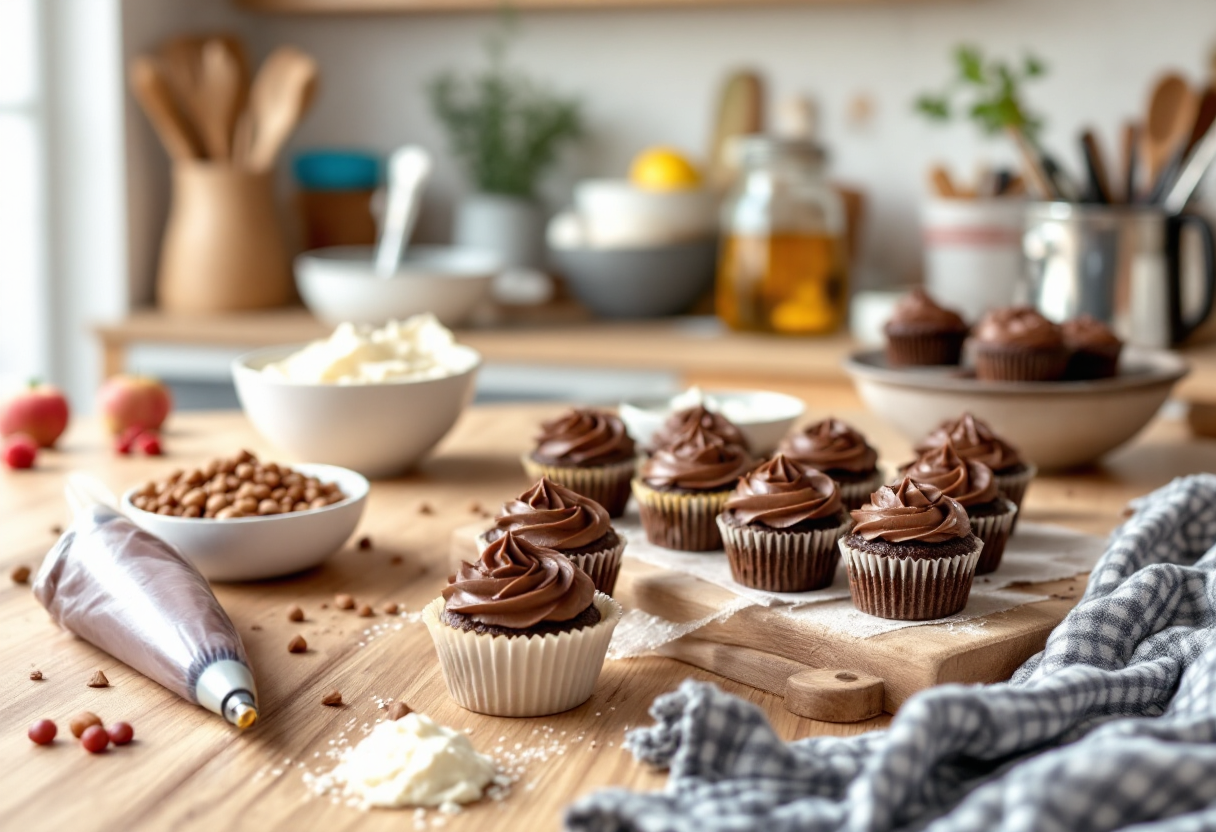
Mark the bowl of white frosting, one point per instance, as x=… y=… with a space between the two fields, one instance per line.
x=373 y=399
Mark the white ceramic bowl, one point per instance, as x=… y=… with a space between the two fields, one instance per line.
x=379 y=430
x=254 y=548
x=614 y=212
x=1055 y=425
x=768 y=416
x=338 y=284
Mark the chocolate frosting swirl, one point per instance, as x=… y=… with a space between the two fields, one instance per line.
x=911 y=511
x=781 y=493
x=553 y=516
x=974 y=441
x=917 y=312
x=830 y=445
x=583 y=437
x=681 y=424
x=1087 y=332
x=1018 y=326
x=968 y=481
x=517 y=584
x=699 y=462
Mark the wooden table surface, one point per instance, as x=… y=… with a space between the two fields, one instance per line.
x=188 y=770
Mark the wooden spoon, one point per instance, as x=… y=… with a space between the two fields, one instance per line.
x=151 y=90
x=182 y=59
x=218 y=99
x=282 y=92
x=1171 y=117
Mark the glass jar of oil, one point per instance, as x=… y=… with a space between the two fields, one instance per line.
x=782 y=265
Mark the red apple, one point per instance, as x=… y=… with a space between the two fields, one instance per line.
x=134 y=402
x=39 y=411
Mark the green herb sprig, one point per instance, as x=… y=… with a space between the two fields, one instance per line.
x=989 y=92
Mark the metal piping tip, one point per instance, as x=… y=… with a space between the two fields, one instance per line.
x=241 y=710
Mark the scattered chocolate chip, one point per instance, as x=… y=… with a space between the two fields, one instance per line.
x=20 y=574
x=391 y=608
x=397 y=710
x=297 y=645
x=344 y=602
x=366 y=611
x=333 y=699
x=99 y=680
x=56 y=530
x=324 y=605
x=256 y=627
x=35 y=675
x=425 y=508
x=365 y=543
x=475 y=508
x=294 y=613
x=396 y=560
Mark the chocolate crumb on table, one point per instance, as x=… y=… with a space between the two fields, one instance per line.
x=391 y=608
x=36 y=676
x=398 y=710
x=99 y=680
x=20 y=574
x=344 y=602
x=365 y=543
x=295 y=613
x=396 y=560
x=297 y=645
x=333 y=698
x=366 y=611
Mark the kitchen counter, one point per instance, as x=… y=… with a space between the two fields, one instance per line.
x=188 y=770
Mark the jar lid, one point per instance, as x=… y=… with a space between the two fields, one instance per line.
x=759 y=149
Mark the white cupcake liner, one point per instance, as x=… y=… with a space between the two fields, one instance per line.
x=910 y=589
x=608 y=485
x=1014 y=487
x=781 y=561
x=603 y=566
x=854 y=495
x=526 y=675
x=994 y=530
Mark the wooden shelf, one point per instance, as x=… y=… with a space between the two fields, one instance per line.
x=320 y=7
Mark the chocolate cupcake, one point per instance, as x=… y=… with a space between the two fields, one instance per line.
x=683 y=488
x=589 y=452
x=680 y=425
x=974 y=441
x=921 y=333
x=553 y=516
x=842 y=453
x=780 y=527
x=974 y=486
x=911 y=555
x=1094 y=349
x=521 y=632
x=1018 y=344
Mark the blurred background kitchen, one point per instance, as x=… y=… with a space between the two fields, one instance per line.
x=90 y=283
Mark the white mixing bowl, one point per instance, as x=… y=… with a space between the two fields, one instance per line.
x=379 y=430
x=339 y=284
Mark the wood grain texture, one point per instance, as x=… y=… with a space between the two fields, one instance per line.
x=417 y=6
x=189 y=771
x=835 y=695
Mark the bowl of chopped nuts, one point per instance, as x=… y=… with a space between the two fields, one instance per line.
x=239 y=519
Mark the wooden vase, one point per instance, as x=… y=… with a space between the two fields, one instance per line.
x=224 y=249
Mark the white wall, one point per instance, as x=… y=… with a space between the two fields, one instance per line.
x=650 y=77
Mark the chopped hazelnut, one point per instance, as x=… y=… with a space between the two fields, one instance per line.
x=297 y=645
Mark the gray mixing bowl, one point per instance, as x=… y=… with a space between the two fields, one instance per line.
x=639 y=282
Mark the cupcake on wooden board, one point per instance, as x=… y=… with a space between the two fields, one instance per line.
x=683 y=488
x=680 y=425
x=1018 y=344
x=1093 y=349
x=975 y=441
x=911 y=555
x=553 y=516
x=974 y=486
x=780 y=527
x=842 y=453
x=521 y=632
x=922 y=333
x=588 y=451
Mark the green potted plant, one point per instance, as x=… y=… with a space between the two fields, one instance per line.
x=506 y=130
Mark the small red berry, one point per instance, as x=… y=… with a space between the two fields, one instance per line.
x=125 y=440
x=95 y=739
x=20 y=451
x=148 y=443
x=121 y=733
x=43 y=731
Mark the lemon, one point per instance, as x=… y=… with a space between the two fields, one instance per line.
x=663 y=169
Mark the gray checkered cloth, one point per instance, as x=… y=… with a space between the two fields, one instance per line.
x=1112 y=726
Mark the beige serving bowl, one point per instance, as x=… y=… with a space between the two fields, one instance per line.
x=1059 y=424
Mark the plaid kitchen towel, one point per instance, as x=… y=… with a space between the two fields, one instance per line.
x=1112 y=726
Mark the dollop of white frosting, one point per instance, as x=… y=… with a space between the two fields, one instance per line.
x=741 y=411
x=413 y=761
x=411 y=350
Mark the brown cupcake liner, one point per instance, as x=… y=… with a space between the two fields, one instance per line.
x=1014 y=364
x=686 y=521
x=1086 y=365
x=909 y=589
x=608 y=485
x=1014 y=486
x=994 y=530
x=854 y=495
x=781 y=561
x=926 y=349
x=602 y=567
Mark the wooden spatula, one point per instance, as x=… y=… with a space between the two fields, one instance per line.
x=282 y=93
x=1171 y=117
x=151 y=90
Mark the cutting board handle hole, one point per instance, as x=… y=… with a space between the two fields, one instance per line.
x=845 y=676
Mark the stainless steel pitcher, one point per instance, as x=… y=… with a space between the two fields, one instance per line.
x=1118 y=263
